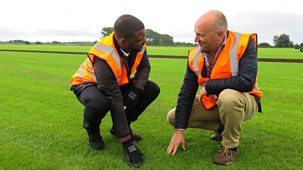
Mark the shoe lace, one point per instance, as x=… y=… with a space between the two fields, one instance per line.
x=225 y=152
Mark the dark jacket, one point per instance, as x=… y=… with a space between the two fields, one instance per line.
x=243 y=82
x=107 y=82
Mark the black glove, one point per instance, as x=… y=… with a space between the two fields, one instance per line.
x=133 y=154
x=132 y=98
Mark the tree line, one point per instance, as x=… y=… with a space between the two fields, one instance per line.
x=152 y=38
x=282 y=41
x=157 y=39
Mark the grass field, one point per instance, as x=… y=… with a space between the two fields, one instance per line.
x=41 y=120
x=156 y=50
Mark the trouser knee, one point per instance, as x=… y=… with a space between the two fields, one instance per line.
x=152 y=89
x=228 y=101
x=171 y=117
x=150 y=93
x=94 y=112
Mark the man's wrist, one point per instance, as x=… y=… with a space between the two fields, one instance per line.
x=181 y=129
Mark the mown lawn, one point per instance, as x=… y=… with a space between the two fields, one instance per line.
x=41 y=120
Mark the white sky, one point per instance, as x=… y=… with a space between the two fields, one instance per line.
x=73 y=20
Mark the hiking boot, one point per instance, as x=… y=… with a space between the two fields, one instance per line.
x=134 y=137
x=95 y=141
x=216 y=137
x=225 y=156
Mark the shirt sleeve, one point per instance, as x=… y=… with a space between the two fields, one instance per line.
x=245 y=80
x=186 y=98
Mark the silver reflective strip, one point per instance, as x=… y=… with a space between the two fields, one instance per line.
x=89 y=66
x=80 y=73
x=142 y=50
x=256 y=88
x=214 y=96
x=94 y=77
x=110 y=50
x=196 y=57
x=234 y=65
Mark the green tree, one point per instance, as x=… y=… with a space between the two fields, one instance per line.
x=56 y=42
x=152 y=37
x=106 y=31
x=282 y=41
x=264 y=45
x=155 y=38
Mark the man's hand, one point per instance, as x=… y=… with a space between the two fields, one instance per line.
x=176 y=140
x=132 y=98
x=133 y=154
x=202 y=93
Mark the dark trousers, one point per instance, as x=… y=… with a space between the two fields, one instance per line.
x=97 y=104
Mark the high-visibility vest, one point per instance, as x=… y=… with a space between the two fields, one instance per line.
x=105 y=49
x=226 y=66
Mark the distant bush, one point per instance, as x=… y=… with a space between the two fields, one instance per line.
x=264 y=45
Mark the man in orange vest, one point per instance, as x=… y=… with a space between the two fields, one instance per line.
x=224 y=65
x=103 y=83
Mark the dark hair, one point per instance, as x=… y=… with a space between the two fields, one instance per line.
x=126 y=25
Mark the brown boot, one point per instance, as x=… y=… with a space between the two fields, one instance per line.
x=225 y=156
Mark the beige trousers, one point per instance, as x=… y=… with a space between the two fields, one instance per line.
x=233 y=108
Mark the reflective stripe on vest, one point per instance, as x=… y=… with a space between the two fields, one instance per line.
x=111 y=51
x=81 y=75
x=105 y=49
x=234 y=64
x=234 y=49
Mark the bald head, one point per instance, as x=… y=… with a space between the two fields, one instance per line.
x=210 y=29
x=213 y=20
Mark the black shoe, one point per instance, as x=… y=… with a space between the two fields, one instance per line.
x=134 y=137
x=95 y=141
x=216 y=137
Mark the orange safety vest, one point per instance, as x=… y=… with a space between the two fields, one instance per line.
x=226 y=66
x=105 y=49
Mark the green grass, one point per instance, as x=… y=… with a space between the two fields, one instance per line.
x=41 y=120
x=158 y=50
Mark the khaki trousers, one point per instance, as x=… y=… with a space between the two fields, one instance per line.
x=233 y=108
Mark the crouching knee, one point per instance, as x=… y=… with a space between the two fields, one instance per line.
x=228 y=97
x=171 y=117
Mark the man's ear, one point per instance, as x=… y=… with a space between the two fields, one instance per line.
x=123 y=41
x=119 y=39
x=221 y=33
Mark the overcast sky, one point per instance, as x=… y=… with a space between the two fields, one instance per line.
x=73 y=20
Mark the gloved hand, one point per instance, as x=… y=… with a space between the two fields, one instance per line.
x=133 y=155
x=132 y=98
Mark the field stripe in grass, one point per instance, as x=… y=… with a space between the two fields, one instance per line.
x=291 y=60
